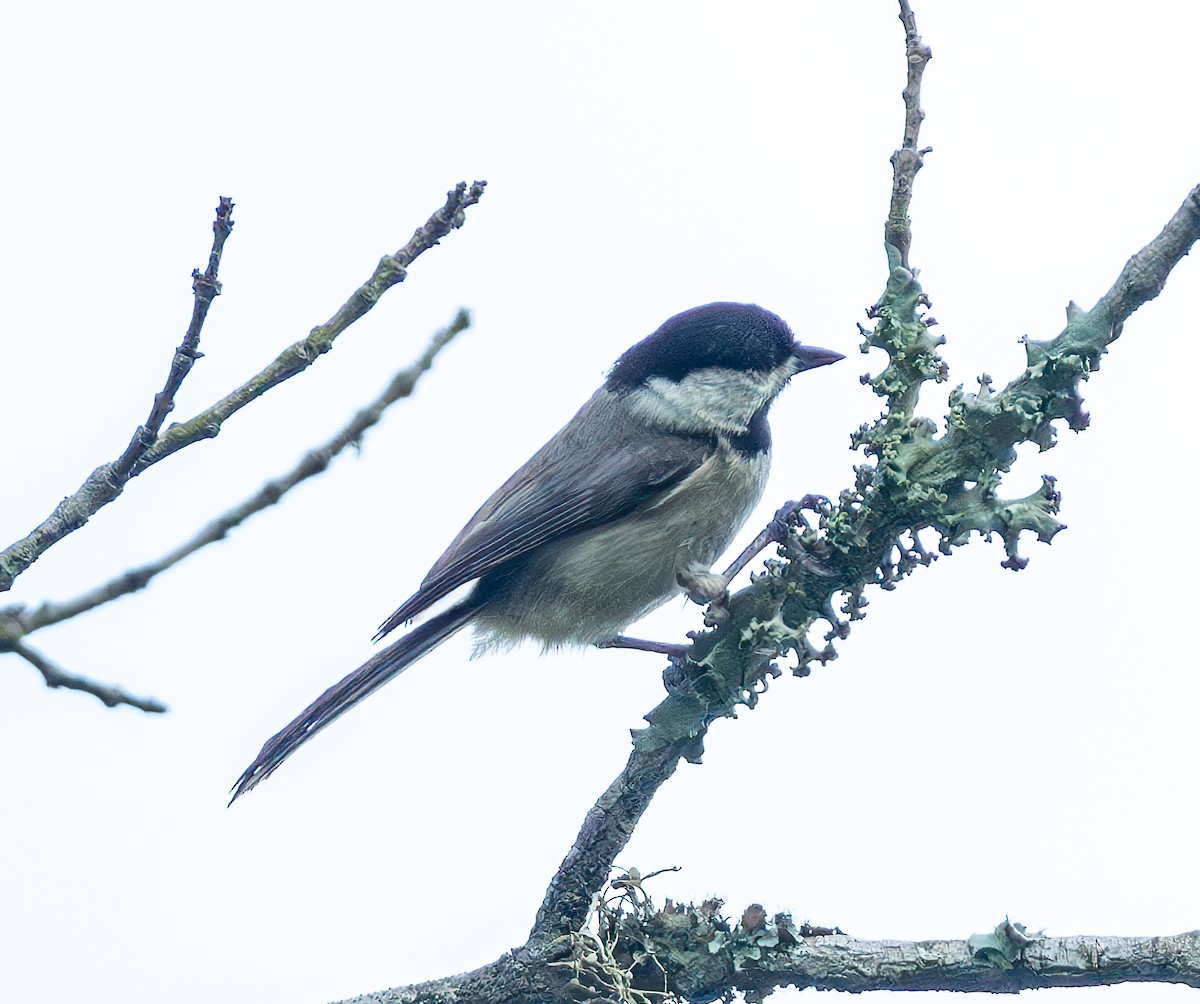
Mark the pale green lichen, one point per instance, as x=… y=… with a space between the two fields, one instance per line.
x=775 y=630
x=1002 y=947
x=919 y=476
x=698 y=945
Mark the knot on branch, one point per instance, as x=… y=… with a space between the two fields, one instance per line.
x=387 y=274
x=224 y=221
x=12 y=627
x=205 y=287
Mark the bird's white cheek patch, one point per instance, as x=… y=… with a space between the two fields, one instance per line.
x=715 y=399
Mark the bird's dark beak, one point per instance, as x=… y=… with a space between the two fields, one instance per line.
x=810 y=357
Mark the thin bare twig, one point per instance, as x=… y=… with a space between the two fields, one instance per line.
x=296 y=358
x=909 y=159
x=205 y=287
x=109 y=695
x=103 y=485
x=107 y=482
x=313 y=463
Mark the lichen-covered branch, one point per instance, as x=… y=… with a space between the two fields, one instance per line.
x=695 y=953
x=686 y=953
x=105 y=483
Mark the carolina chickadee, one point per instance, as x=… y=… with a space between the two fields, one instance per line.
x=630 y=502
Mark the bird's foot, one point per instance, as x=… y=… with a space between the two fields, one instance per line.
x=707 y=588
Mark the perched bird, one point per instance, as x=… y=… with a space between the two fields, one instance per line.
x=627 y=505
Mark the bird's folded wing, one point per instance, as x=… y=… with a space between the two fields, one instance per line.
x=562 y=490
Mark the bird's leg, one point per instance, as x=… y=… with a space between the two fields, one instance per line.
x=775 y=532
x=675 y=651
x=711 y=589
x=706 y=587
x=779 y=531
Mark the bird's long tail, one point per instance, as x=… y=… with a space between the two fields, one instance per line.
x=342 y=696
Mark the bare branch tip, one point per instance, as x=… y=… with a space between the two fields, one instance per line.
x=111 y=697
x=224 y=221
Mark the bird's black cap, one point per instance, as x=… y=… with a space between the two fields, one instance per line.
x=738 y=336
x=734 y=335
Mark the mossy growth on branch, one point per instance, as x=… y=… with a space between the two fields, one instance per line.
x=919 y=475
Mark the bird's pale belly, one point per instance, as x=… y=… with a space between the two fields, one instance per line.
x=589 y=587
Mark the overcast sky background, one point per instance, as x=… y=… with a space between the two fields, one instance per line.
x=988 y=743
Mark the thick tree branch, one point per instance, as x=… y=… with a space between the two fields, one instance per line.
x=606 y=830
x=1145 y=274
x=105 y=483
x=689 y=953
x=702 y=956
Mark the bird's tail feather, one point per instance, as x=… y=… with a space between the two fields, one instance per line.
x=342 y=696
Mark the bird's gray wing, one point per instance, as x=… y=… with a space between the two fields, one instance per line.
x=583 y=478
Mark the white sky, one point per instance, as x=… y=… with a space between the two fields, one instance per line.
x=988 y=743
